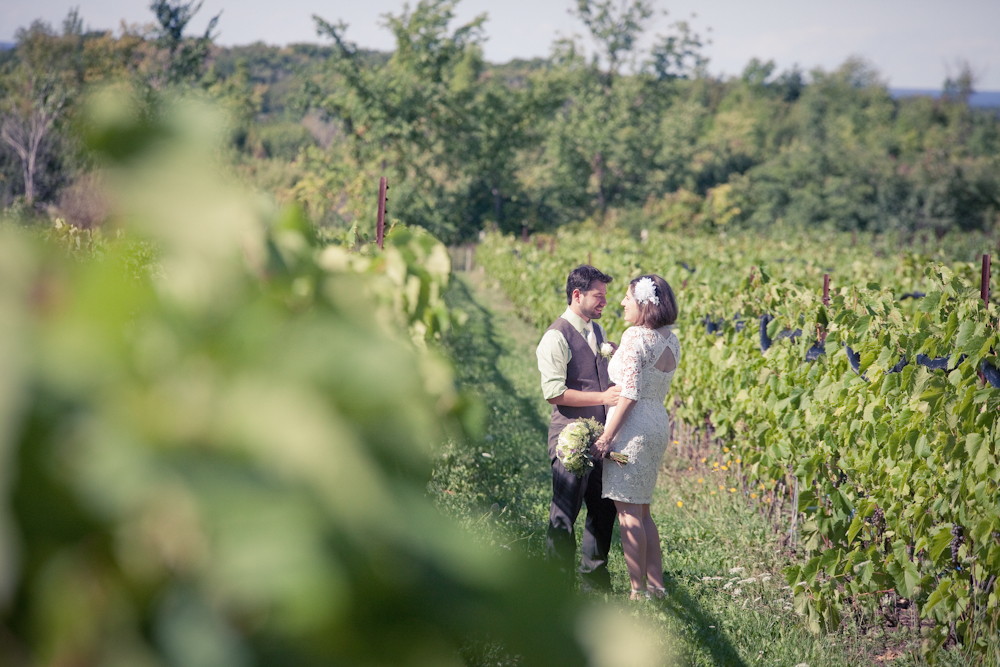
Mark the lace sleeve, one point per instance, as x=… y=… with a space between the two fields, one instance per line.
x=631 y=364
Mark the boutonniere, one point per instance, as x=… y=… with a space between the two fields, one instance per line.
x=607 y=350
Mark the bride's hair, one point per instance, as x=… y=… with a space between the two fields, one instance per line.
x=656 y=315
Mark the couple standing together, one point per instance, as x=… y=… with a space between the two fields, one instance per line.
x=627 y=394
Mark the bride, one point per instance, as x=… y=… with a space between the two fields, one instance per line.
x=638 y=426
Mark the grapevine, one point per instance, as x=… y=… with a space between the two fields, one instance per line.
x=871 y=406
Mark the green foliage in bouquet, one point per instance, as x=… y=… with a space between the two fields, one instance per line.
x=575 y=441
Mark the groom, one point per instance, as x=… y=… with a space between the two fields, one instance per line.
x=575 y=381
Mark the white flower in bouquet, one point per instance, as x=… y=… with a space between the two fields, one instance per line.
x=607 y=350
x=575 y=441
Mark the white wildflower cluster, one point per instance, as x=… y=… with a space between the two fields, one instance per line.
x=736 y=581
x=645 y=290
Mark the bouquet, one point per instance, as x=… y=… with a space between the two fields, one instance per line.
x=575 y=441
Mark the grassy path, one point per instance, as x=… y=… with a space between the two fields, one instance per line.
x=502 y=476
x=728 y=602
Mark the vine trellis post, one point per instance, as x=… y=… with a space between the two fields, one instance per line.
x=984 y=282
x=383 y=186
x=820 y=329
x=984 y=294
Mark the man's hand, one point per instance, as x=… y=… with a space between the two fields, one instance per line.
x=610 y=395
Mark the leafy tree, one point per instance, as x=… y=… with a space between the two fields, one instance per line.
x=961 y=86
x=498 y=127
x=600 y=141
x=107 y=57
x=41 y=81
x=756 y=73
x=603 y=139
x=37 y=90
x=678 y=55
x=428 y=120
x=614 y=30
x=185 y=56
x=790 y=84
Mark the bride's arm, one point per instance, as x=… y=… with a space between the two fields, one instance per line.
x=631 y=368
x=602 y=446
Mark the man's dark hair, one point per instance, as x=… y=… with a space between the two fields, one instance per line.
x=581 y=278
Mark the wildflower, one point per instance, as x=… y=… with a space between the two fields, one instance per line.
x=724 y=468
x=680 y=503
x=753 y=495
x=725 y=449
x=701 y=480
x=732 y=489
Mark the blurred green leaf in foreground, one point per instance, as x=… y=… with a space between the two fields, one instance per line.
x=216 y=434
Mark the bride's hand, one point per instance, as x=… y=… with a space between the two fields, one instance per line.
x=601 y=448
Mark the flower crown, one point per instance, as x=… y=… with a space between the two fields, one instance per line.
x=645 y=290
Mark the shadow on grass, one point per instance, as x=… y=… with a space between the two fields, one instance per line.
x=709 y=636
x=476 y=350
x=515 y=431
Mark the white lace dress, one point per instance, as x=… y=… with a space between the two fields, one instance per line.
x=643 y=435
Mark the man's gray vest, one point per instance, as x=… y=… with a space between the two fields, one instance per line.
x=586 y=372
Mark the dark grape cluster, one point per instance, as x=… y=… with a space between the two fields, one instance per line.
x=878 y=526
x=878 y=519
x=957 y=540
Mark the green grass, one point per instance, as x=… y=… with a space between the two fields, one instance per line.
x=502 y=478
x=728 y=601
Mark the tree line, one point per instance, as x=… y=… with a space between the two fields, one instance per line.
x=603 y=129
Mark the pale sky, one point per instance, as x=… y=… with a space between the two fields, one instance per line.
x=911 y=43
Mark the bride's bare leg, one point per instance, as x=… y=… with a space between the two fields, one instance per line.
x=654 y=557
x=633 y=534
